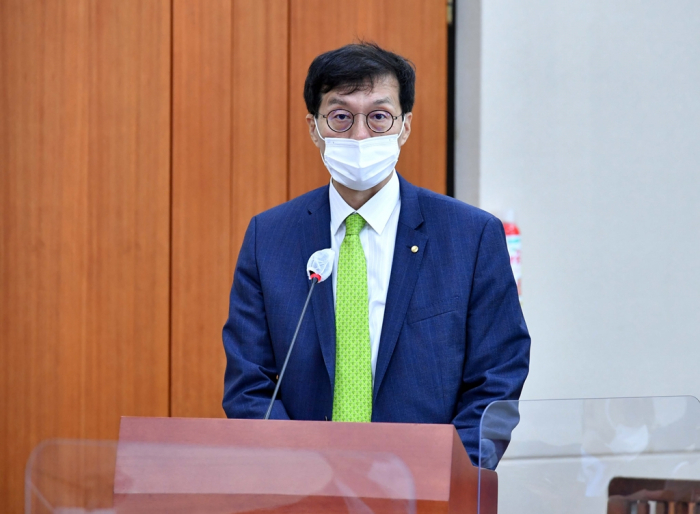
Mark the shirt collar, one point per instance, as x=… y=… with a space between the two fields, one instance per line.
x=376 y=212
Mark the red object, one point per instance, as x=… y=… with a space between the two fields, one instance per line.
x=316 y=276
x=514 y=243
x=511 y=229
x=222 y=466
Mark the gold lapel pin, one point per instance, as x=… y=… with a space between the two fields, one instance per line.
x=414 y=249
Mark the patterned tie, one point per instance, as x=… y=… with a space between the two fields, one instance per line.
x=352 y=398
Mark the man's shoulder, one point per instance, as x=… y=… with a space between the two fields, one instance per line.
x=440 y=209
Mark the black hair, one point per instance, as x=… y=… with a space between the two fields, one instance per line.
x=356 y=67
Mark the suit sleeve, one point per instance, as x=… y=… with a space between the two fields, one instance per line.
x=498 y=348
x=251 y=370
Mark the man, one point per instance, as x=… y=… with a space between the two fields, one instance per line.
x=420 y=321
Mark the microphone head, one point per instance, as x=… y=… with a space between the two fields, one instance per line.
x=321 y=264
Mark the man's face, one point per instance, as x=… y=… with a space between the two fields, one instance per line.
x=383 y=96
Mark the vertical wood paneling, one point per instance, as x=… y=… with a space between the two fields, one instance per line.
x=201 y=202
x=416 y=29
x=128 y=213
x=229 y=163
x=260 y=111
x=43 y=183
x=84 y=202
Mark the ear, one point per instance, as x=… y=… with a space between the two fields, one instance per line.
x=311 y=121
x=406 y=128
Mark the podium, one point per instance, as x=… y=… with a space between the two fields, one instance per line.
x=179 y=465
x=584 y=456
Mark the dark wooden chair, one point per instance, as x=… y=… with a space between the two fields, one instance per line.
x=648 y=495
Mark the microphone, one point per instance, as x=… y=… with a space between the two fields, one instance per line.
x=318 y=269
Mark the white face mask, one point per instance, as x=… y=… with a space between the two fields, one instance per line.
x=361 y=165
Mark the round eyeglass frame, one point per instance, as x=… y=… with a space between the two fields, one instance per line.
x=393 y=119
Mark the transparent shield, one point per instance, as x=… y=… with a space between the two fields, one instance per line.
x=70 y=477
x=615 y=455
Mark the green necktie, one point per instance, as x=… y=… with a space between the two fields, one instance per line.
x=352 y=397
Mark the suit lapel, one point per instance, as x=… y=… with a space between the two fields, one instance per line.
x=404 y=274
x=317 y=236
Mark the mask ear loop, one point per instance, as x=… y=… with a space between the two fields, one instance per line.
x=317 y=131
x=323 y=158
x=403 y=125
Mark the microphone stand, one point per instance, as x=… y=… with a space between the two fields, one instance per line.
x=314 y=280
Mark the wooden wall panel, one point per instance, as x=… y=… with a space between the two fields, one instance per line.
x=229 y=163
x=128 y=158
x=84 y=204
x=416 y=29
x=260 y=111
x=201 y=242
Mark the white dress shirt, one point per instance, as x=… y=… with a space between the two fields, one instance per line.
x=378 y=238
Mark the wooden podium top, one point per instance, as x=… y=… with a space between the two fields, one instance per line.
x=293 y=466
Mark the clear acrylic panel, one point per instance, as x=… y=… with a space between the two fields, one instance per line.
x=614 y=455
x=70 y=476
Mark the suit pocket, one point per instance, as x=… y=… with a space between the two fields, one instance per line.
x=431 y=310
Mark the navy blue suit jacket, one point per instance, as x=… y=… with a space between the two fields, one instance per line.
x=453 y=337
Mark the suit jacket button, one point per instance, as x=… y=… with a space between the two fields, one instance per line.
x=414 y=249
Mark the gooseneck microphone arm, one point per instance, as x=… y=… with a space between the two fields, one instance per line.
x=314 y=280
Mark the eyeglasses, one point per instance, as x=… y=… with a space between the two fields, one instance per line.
x=340 y=120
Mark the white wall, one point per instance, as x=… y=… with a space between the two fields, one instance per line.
x=587 y=123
